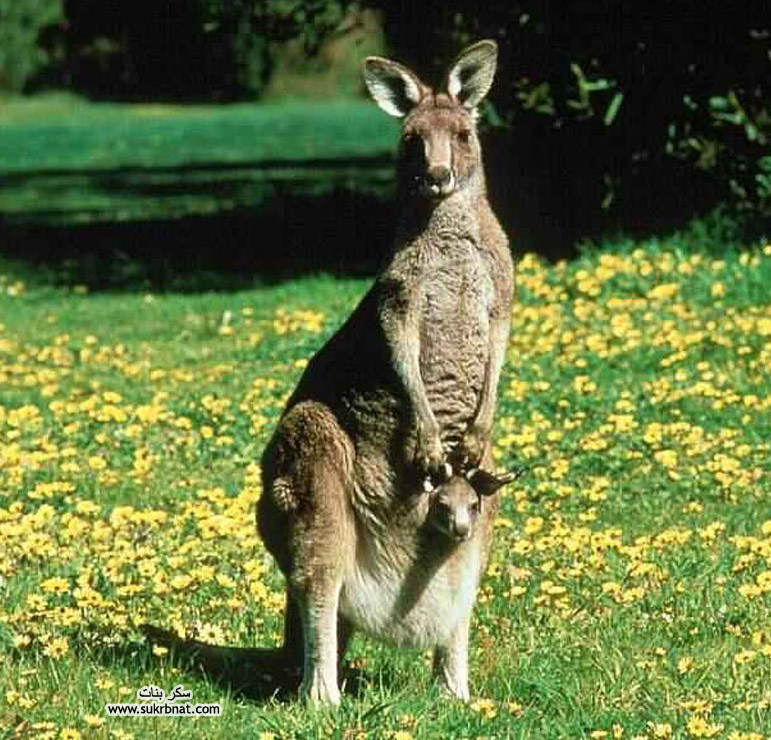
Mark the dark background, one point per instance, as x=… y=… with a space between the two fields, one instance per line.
x=606 y=118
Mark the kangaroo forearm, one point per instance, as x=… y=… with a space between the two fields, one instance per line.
x=399 y=316
x=405 y=352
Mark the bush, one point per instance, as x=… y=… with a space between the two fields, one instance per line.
x=631 y=110
x=22 y=57
x=204 y=49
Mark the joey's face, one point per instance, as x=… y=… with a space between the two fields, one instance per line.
x=439 y=149
x=455 y=509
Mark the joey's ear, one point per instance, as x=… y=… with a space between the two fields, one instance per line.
x=396 y=89
x=471 y=74
x=486 y=484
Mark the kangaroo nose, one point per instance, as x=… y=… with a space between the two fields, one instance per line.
x=439 y=175
x=462 y=530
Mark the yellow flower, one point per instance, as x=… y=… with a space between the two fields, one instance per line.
x=487 y=707
x=667 y=458
x=533 y=525
x=97 y=462
x=663 y=292
x=93 y=720
x=552 y=589
x=750 y=591
x=745 y=656
x=699 y=727
x=22 y=641
x=181 y=581
x=56 y=648
x=660 y=731
x=55 y=586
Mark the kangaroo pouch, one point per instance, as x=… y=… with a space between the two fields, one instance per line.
x=412 y=598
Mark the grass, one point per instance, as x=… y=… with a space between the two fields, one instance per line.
x=629 y=586
x=63 y=160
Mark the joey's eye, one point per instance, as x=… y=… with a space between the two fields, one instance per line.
x=464 y=136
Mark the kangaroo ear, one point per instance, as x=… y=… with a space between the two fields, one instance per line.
x=396 y=89
x=486 y=484
x=471 y=74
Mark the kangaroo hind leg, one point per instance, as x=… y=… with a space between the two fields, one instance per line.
x=313 y=539
x=324 y=548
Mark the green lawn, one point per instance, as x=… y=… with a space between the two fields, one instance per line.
x=629 y=587
x=63 y=160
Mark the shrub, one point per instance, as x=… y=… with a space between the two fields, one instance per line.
x=21 y=54
x=628 y=108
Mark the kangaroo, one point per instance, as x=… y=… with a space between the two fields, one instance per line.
x=455 y=504
x=404 y=391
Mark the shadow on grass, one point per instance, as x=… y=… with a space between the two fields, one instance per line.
x=257 y=674
x=344 y=234
x=290 y=231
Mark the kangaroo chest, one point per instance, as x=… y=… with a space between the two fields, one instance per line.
x=456 y=299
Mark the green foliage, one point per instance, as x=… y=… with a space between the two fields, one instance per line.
x=21 y=56
x=308 y=20
x=221 y=49
x=289 y=48
x=642 y=106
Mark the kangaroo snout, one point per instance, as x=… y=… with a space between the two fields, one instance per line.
x=439 y=181
x=461 y=526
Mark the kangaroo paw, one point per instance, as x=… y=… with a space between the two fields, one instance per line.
x=283 y=494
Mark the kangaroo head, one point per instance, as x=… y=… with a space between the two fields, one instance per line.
x=455 y=504
x=439 y=151
x=454 y=508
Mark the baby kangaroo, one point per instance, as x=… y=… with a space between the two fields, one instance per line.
x=405 y=389
x=454 y=505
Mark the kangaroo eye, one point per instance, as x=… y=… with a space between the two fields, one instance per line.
x=411 y=144
x=464 y=136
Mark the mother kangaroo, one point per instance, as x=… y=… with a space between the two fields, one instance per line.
x=402 y=394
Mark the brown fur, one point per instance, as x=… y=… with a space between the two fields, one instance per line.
x=405 y=387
